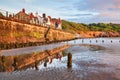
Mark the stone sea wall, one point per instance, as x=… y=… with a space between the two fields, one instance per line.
x=12 y=32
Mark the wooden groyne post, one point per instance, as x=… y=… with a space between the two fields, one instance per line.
x=3 y=63
x=96 y=41
x=82 y=40
x=15 y=64
x=69 y=63
x=102 y=41
x=36 y=65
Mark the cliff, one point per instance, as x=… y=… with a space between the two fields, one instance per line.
x=98 y=34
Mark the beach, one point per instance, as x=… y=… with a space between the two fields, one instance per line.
x=91 y=61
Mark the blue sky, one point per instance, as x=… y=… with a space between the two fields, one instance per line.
x=82 y=11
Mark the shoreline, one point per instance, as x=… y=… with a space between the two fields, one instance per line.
x=29 y=44
x=33 y=49
x=99 y=34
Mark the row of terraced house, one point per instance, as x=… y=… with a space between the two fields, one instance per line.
x=43 y=20
x=40 y=20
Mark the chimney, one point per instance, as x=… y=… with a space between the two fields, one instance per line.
x=44 y=15
x=23 y=10
x=31 y=15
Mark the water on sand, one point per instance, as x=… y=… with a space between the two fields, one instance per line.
x=93 y=59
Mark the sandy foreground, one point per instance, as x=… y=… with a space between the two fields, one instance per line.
x=89 y=63
x=86 y=72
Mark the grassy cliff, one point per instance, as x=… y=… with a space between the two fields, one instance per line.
x=74 y=27
x=92 y=30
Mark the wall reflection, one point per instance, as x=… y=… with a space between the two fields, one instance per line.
x=32 y=60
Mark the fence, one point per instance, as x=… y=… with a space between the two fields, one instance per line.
x=6 y=14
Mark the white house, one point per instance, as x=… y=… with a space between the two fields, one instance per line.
x=48 y=20
x=40 y=19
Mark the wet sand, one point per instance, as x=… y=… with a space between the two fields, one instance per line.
x=27 y=50
x=86 y=72
x=95 y=61
x=54 y=74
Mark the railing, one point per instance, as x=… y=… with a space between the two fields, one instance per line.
x=7 y=14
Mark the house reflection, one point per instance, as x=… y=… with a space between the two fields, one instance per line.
x=49 y=59
x=33 y=60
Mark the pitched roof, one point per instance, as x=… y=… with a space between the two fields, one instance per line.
x=22 y=13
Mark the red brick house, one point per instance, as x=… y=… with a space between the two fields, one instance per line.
x=58 y=23
x=33 y=19
x=23 y=16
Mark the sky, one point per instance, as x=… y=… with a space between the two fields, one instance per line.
x=81 y=11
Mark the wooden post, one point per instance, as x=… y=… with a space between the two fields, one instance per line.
x=3 y=63
x=74 y=41
x=15 y=64
x=102 y=41
x=90 y=41
x=111 y=41
x=36 y=65
x=67 y=42
x=82 y=40
x=69 y=63
x=96 y=41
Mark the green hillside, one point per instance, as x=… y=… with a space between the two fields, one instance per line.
x=104 y=27
x=77 y=27
x=74 y=27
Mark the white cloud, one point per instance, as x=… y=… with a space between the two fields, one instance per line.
x=29 y=1
x=108 y=10
x=76 y=10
